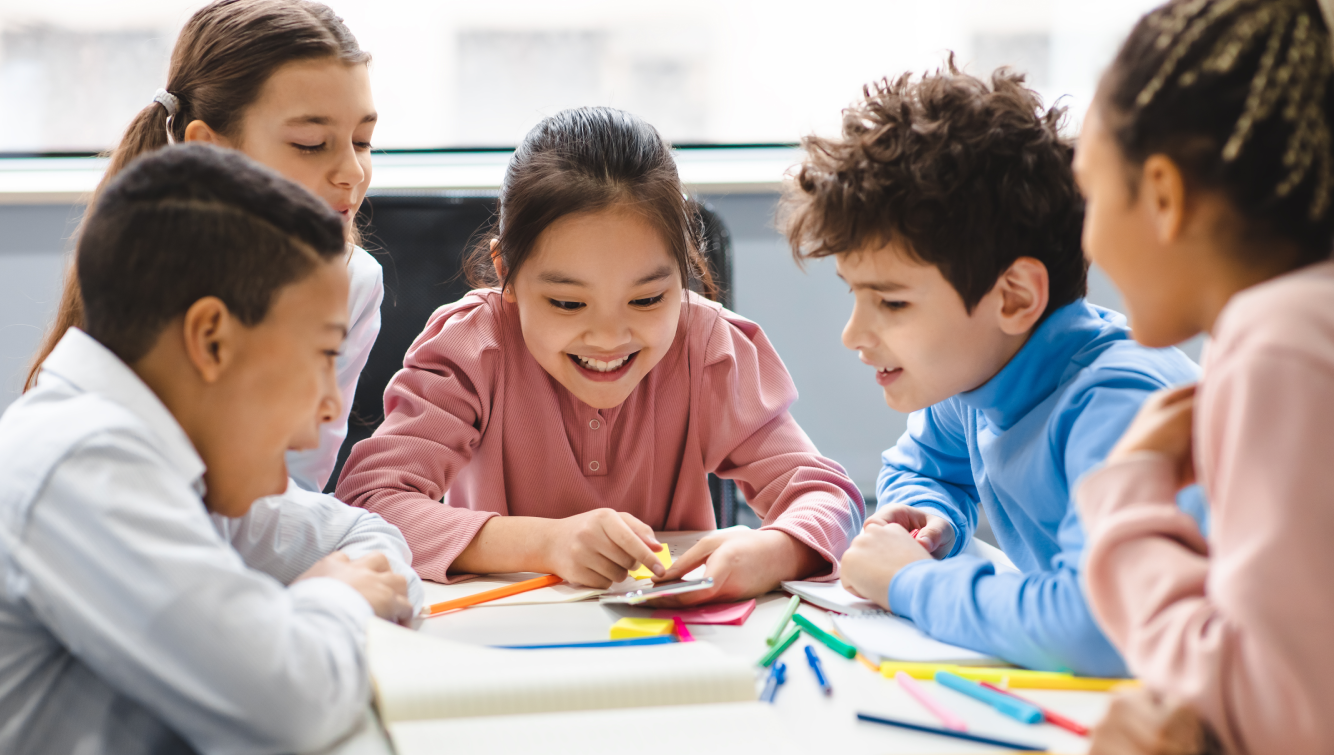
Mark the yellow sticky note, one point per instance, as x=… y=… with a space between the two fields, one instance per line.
x=642 y=572
x=629 y=628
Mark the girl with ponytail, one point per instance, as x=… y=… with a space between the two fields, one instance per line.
x=284 y=82
x=1206 y=165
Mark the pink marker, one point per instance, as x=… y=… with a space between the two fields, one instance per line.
x=682 y=634
x=913 y=534
x=946 y=717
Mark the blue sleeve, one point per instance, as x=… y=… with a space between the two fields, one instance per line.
x=929 y=468
x=1039 y=620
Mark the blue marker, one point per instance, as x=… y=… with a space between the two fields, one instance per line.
x=777 y=675
x=814 y=660
x=1010 y=706
x=663 y=639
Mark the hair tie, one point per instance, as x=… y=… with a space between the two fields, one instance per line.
x=169 y=101
x=172 y=104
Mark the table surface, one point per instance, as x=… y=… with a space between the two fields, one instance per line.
x=816 y=722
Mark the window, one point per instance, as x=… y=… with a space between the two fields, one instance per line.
x=453 y=74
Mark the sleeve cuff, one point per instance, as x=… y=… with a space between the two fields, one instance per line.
x=904 y=586
x=333 y=596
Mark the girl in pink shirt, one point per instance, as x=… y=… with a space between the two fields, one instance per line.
x=1206 y=164
x=553 y=418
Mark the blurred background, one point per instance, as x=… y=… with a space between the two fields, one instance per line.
x=452 y=77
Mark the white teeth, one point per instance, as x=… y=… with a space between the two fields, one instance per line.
x=600 y=366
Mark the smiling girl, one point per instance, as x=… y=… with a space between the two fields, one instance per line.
x=552 y=419
x=284 y=82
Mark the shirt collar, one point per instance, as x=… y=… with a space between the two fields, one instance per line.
x=92 y=368
x=1042 y=363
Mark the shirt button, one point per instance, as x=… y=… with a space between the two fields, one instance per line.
x=594 y=466
x=594 y=424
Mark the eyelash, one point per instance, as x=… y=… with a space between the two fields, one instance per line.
x=894 y=306
x=310 y=149
x=575 y=306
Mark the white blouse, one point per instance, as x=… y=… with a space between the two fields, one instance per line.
x=311 y=469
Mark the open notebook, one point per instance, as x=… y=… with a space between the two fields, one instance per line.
x=677 y=544
x=882 y=636
x=422 y=678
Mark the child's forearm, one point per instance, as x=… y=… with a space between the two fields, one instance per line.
x=507 y=544
x=792 y=558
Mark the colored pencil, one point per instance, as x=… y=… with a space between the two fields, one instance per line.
x=1016 y=709
x=1053 y=718
x=829 y=640
x=682 y=633
x=950 y=733
x=945 y=715
x=662 y=639
x=496 y=594
x=772 y=654
x=791 y=608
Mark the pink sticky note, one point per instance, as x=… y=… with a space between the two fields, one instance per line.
x=718 y=613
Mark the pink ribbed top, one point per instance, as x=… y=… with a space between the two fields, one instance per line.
x=474 y=420
x=1241 y=626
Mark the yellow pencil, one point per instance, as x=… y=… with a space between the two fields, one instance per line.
x=1009 y=677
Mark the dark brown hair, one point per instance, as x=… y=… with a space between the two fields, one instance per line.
x=962 y=174
x=190 y=222
x=586 y=160
x=1238 y=96
x=222 y=59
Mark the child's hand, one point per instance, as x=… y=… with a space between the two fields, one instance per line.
x=743 y=564
x=371 y=576
x=1142 y=723
x=1163 y=425
x=934 y=533
x=875 y=556
x=600 y=547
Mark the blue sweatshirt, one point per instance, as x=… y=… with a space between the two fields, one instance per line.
x=1017 y=446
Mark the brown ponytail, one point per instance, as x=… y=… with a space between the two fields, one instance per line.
x=222 y=59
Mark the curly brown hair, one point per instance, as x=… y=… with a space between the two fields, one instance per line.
x=962 y=175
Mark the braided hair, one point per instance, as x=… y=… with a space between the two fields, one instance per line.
x=1237 y=94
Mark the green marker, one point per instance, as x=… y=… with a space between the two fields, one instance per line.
x=778 y=649
x=782 y=623
x=833 y=643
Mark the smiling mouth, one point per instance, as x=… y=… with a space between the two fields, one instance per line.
x=603 y=368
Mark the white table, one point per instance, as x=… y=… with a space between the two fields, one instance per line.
x=817 y=723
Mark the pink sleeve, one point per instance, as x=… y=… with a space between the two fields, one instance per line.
x=436 y=409
x=1241 y=632
x=749 y=436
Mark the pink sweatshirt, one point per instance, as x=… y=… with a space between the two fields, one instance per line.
x=474 y=420
x=1241 y=626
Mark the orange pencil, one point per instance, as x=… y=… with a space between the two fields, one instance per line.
x=496 y=594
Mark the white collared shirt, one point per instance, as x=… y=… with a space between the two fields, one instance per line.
x=131 y=620
x=310 y=470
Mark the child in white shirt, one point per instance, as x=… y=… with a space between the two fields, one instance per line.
x=157 y=594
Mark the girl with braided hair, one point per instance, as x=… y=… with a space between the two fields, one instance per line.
x=1205 y=161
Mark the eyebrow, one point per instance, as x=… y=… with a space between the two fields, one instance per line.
x=662 y=273
x=560 y=279
x=881 y=286
x=324 y=120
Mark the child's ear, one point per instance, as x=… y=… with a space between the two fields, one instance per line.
x=210 y=333
x=1163 y=195
x=198 y=131
x=499 y=263
x=1024 y=293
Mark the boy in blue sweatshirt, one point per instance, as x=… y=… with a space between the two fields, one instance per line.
x=952 y=213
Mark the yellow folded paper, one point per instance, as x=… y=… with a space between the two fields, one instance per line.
x=643 y=572
x=630 y=628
